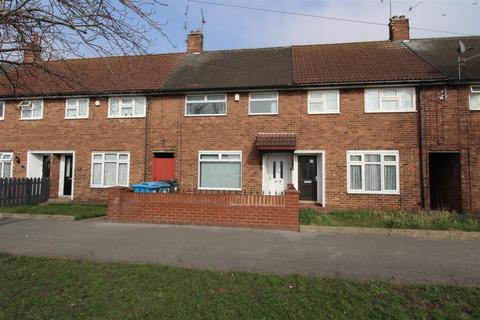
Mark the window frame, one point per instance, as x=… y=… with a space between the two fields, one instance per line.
x=380 y=97
x=210 y=152
x=383 y=163
x=2 y=114
x=77 y=108
x=103 y=153
x=310 y=99
x=263 y=113
x=205 y=100
x=2 y=162
x=110 y=116
x=31 y=102
x=473 y=91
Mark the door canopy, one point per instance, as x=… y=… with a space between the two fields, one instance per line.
x=276 y=141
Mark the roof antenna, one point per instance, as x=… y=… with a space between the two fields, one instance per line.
x=390 y=4
x=410 y=9
x=203 y=19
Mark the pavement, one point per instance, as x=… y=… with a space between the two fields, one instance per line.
x=352 y=256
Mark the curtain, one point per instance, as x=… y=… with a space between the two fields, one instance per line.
x=110 y=175
x=356 y=177
x=97 y=174
x=122 y=174
x=7 y=170
x=373 y=177
x=390 y=178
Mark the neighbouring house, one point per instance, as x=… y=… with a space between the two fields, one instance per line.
x=381 y=124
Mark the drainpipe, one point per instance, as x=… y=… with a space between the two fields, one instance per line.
x=145 y=155
x=420 y=145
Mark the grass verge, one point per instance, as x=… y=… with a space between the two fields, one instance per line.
x=41 y=288
x=429 y=220
x=78 y=210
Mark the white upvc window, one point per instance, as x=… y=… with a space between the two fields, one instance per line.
x=6 y=164
x=206 y=105
x=220 y=170
x=127 y=107
x=373 y=172
x=76 y=108
x=323 y=102
x=31 y=109
x=390 y=100
x=110 y=169
x=2 y=110
x=263 y=103
x=474 y=98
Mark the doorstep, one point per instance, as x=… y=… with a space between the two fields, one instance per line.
x=36 y=216
x=429 y=234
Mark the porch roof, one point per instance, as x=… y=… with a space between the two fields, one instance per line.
x=276 y=141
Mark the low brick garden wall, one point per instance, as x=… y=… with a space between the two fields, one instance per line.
x=229 y=210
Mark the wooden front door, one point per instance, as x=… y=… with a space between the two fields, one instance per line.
x=67 y=179
x=307 y=177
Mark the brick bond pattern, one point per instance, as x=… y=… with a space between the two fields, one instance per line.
x=448 y=126
x=228 y=210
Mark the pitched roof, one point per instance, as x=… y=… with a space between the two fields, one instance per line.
x=442 y=53
x=92 y=75
x=377 y=61
x=247 y=68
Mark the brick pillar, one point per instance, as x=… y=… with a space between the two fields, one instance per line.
x=292 y=197
x=115 y=201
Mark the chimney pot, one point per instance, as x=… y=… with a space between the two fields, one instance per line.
x=195 y=42
x=399 y=28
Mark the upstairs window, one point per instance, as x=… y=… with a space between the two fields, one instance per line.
x=263 y=103
x=6 y=164
x=390 y=100
x=76 y=108
x=206 y=105
x=31 y=109
x=110 y=169
x=2 y=110
x=127 y=107
x=373 y=172
x=220 y=170
x=323 y=102
x=475 y=98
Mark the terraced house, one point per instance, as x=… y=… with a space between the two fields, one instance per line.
x=384 y=124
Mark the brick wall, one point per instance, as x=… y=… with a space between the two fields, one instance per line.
x=229 y=210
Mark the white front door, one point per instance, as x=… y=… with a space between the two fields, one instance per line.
x=276 y=173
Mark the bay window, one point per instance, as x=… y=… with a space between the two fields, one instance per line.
x=31 y=109
x=110 y=169
x=373 y=172
x=220 y=170
x=127 y=107
x=474 y=98
x=76 y=108
x=390 y=100
x=206 y=105
x=263 y=103
x=323 y=102
x=6 y=164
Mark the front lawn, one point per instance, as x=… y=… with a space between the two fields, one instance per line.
x=431 y=220
x=78 y=210
x=41 y=288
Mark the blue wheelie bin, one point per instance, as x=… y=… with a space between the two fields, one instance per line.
x=151 y=187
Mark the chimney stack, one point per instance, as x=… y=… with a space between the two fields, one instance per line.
x=32 y=51
x=399 y=28
x=195 y=42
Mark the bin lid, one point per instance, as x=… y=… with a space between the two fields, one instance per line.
x=155 y=184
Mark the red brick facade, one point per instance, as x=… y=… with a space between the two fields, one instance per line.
x=447 y=126
x=237 y=210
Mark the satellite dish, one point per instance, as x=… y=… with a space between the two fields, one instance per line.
x=461 y=47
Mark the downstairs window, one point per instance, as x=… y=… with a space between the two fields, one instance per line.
x=220 y=170
x=373 y=172
x=110 y=169
x=6 y=164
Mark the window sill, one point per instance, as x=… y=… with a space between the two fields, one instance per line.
x=390 y=111
x=205 y=115
x=30 y=119
x=381 y=193
x=77 y=118
x=263 y=114
x=219 y=189
x=126 y=117
x=320 y=113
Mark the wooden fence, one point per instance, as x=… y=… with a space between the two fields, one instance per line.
x=18 y=191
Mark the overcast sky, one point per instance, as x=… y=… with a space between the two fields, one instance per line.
x=231 y=28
